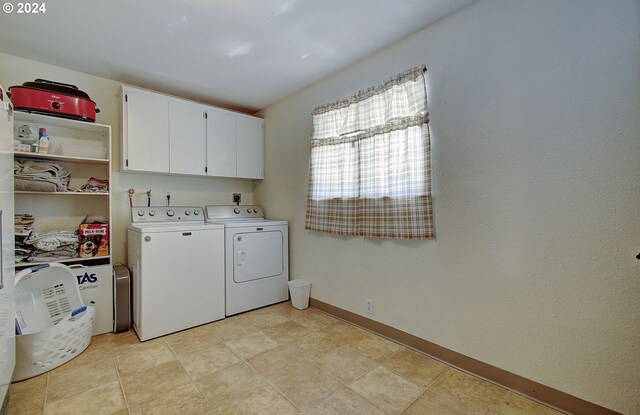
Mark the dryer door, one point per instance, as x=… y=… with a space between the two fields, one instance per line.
x=257 y=255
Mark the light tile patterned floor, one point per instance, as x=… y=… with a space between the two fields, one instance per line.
x=276 y=360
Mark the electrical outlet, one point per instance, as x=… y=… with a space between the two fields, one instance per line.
x=237 y=197
x=168 y=197
x=369 y=306
x=168 y=193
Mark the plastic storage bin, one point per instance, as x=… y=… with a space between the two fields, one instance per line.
x=52 y=322
x=299 y=291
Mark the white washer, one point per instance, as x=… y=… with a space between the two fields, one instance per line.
x=177 y=267
x=256 y=257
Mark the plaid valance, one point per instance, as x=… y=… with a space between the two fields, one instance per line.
x=369 y=172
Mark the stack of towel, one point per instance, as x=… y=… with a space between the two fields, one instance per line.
x=23 y=228
x=42 y=246
x=40 y=176
x=53 y=245
x=94 y=185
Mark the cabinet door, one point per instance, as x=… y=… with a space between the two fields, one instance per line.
x=146 y=131
x=187 y=138
x=221 y=143
x=250 y=147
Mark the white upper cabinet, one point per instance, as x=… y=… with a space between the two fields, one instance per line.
x=145 y=131
x=187 y=138
x=221 y=142
x=235 y=145
x=164 y=134
x=250 y=147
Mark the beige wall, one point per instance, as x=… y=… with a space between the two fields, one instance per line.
x=536 y=136
x=186 y=190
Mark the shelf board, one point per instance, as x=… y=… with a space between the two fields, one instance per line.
x=28 y=117
x=19 y=192
x=57 y=157
x=63 y=260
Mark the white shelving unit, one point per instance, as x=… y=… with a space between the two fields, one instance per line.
x=84 y=149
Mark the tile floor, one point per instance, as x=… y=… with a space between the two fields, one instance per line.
x=276 y=360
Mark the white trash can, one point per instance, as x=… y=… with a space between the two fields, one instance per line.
x=299 y=291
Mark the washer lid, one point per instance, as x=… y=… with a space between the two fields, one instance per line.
x=173 y=227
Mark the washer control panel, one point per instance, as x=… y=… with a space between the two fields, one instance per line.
x=225 y=212
x=163 y=214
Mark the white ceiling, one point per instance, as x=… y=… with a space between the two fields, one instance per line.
x=240 y=53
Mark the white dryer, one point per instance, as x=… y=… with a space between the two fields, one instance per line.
x=177 y=267
x=256 y=257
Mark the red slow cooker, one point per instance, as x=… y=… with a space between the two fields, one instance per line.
x=53 y=98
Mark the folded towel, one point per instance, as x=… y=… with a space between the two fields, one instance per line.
x=22 y=185
x=42 y=171
x=94 y=185
x=52 y=241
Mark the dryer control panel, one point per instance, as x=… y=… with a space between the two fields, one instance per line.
x=164 y=214
x=226 y=212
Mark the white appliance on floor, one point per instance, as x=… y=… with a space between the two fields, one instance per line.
x=177 y=267
x=256 y=257
x=7 y=240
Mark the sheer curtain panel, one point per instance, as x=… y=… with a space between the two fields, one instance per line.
x=370 y=167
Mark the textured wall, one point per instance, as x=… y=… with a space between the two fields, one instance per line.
x=536 y=142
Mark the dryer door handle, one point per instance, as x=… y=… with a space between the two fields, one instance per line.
x=240 y=258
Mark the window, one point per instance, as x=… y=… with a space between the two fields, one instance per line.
x=369 y=173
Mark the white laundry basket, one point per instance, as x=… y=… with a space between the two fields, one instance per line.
x=52 y=324
x=300 y=290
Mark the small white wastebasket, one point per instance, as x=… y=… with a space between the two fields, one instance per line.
x=299 y=291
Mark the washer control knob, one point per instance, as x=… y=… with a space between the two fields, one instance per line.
x=256 y=210
x=152 y=213
x=187 y=212
x=248 y=210
x=236 y=211
x=170 y=213
x=141 y=213
x=196 y=212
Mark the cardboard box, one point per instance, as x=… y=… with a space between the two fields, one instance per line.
x=94 y=240
x=18 y=146
x=96 y=288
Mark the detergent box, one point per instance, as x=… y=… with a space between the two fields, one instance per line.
x=94 y=239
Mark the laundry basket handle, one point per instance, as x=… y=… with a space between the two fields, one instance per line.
x=38 y=267
x=78 y=311
x=28 y=271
